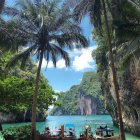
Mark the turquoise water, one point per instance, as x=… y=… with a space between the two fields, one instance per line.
x=54 y=122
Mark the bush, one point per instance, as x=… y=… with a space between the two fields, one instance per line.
x=18 y=133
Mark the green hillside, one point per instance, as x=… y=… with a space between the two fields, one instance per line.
x=71 y=101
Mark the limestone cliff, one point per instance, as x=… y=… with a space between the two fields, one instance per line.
x=127 y=64
x=21 y=117
x=82 y=99
x=129 y=84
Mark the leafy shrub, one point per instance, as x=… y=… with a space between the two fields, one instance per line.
x=18 y=133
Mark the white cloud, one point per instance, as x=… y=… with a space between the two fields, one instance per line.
x=81 y=60
x=60 y=64
x=44 y=64
x=84 y=60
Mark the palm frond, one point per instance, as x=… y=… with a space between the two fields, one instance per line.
x=69 y=39
x=91 y=8
x=136 y=2
x=62 y=53
x=53 y=56
x=22 y=56
x=9 y=36
x=10 y=11
x=58 y=25
x=69 y=26
x=127 y=51
x=130 y=11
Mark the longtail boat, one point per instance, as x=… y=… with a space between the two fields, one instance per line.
x=103 y=132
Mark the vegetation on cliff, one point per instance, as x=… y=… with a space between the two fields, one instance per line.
x=89 y=87
x=68 y=103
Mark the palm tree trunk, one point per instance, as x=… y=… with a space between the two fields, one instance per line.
x=116 y=86
x=33 y=137
x=1 y=5
x=0 y=127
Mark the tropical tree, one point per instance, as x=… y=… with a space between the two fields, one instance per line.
x=48 y=30
x=96 y=9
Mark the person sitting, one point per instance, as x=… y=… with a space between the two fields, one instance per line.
x=47 y=131
x=59 y=132
x=71 y=131
x=104 y=128
x=82 y=135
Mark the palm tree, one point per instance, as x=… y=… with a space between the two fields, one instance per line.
x=48 y=30
x=94 y=9
x=116 y=86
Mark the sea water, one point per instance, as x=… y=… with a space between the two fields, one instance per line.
x=78 y=122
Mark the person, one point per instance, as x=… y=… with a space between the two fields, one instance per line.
x=59 y=132
x=71 y=131
x=47 y=131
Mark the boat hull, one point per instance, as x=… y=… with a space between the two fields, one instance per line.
x=96 y=137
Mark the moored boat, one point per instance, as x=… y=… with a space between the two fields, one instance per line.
x=58 y=134
x=103 y=132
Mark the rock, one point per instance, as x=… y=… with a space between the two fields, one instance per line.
x=20 y=117
x=129 y=96
x=7 y=117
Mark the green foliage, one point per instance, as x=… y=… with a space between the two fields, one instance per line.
x=68 y=103
x=18 y=133
x=16 y=94
x=17 y=87
x=90 y=84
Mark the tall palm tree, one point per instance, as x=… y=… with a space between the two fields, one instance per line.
x=95 y=8
x=48 y=30
x=116 y=86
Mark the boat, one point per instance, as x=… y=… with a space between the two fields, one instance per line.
x=59 y=134
x=103 y=132
x=87 y=134
x=70 y=130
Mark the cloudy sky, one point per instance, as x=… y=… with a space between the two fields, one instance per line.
x=62 y=78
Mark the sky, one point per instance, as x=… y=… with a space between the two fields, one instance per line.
x=62 y=78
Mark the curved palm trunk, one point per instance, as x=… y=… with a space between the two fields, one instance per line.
x=33 y=137
x=1 y=5
x=116 y=86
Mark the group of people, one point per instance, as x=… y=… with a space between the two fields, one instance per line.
x=48 y=132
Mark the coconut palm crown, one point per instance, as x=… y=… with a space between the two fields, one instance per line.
x=48 y=30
